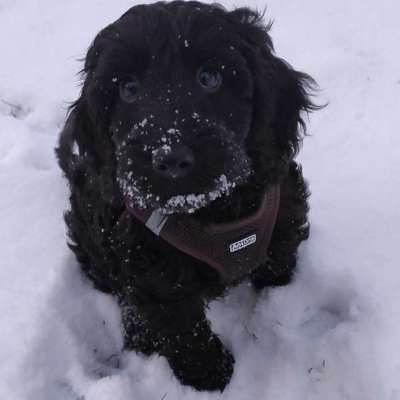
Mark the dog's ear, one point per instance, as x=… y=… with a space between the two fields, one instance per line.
x=96 y=91
x=293 y=90
x=86 y=130
x=281 y=94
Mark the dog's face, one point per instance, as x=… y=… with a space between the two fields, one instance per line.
x=183 y=91
x=182 y=111
x=182 y=114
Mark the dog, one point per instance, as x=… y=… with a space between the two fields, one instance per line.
x=179 y=155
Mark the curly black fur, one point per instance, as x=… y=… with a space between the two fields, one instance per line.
x=162 y=291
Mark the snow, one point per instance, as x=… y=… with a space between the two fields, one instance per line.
x=192 y=202
x=334 y=333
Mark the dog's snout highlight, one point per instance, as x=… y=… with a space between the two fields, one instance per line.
x=173 y=161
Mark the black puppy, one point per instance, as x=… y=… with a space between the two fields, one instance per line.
x=179 y=156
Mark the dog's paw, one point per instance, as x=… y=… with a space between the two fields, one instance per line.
x=273 y=274
x=207 y=367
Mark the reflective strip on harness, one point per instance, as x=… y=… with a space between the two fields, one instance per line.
x=156 y=222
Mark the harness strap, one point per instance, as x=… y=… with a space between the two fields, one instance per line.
x=234 y=249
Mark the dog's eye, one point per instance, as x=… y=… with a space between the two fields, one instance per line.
x=129 y=89
x=209 y=78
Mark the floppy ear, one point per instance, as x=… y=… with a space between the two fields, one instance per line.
x=97 y=93
x=293 y=90
x=85 y=133
x=280 y=97
x=78 y=141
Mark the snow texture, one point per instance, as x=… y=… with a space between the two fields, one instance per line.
x=334 y=333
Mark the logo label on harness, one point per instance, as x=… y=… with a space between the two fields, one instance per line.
x=241 y=244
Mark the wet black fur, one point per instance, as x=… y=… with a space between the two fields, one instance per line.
x=163 y=292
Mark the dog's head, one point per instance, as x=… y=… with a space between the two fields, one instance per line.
x=187 y=102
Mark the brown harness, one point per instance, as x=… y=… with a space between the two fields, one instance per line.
x=234 y=249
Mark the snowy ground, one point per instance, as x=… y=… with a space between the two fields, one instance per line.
x=332 y=334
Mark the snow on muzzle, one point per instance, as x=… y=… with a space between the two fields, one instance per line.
x=181 y=176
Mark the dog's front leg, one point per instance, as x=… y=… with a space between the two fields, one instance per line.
x=198 y=358
x=180 y=332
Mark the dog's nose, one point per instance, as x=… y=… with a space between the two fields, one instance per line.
x=173 y=162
